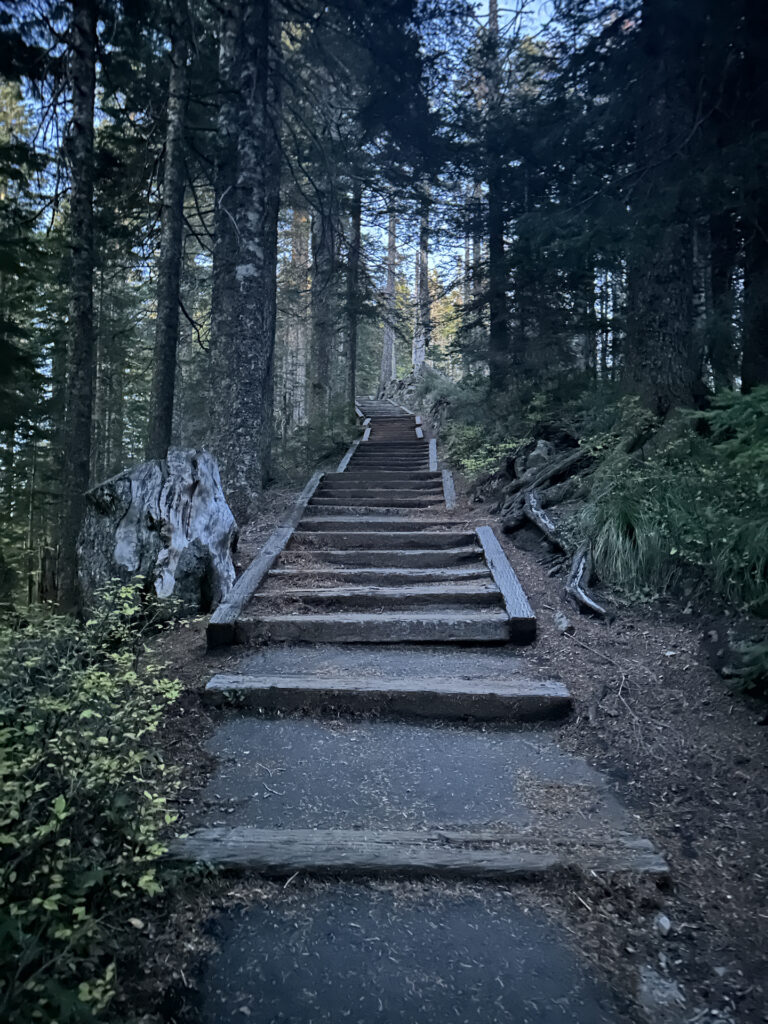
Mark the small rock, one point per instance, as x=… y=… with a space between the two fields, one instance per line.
x=721 y=971
x=563 y=623
x=663 y=925
x=713 y=636
x=658 y=995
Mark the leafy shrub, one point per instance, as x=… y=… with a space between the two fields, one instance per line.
x=475 y=452
x=82 y=807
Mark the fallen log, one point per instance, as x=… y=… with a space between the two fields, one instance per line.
x=563 y=464
x=578 y=579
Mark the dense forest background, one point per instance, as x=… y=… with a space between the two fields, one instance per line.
x=220 y=220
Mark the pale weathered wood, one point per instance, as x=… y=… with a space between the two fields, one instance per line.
x=518 y=699
x=349 y=453
x=536 y=514
x=579 y=578
x=419 y=433
x=522 y=618
x=447 y=625
x=358 y=852
x=449 y=490
x=432 y=455
x=221 y=626
x=367 y=434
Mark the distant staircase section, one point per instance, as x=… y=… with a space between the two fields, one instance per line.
x=373 y=555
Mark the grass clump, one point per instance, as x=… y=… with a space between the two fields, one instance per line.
x=83 y=806
x=690 y=502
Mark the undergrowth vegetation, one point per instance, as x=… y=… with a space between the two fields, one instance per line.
x=675 y=501
x=82 y=809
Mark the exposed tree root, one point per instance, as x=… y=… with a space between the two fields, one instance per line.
x=539 y=517
x=581 y=571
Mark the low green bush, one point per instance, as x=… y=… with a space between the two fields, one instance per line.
x=474 y=451
x=83 y=805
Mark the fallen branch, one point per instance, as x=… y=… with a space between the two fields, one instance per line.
x=539 y=517
x=581 y=570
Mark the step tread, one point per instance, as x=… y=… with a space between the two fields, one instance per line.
x=358 y=852
x=441 y=615
x=352 y=572
x=415 y=591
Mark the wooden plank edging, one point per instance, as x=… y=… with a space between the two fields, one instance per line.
x=367 y=434
x=221 y=626
x=432 y=455
x=350 y=452
x=449 y=490
x=521 y=616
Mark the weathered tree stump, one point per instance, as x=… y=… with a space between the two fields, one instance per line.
x=166 y=520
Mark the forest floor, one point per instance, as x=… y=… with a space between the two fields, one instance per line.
x=684 y=753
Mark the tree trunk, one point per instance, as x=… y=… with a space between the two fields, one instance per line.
x=388 y=352
x=423 y=329
x=77 y=444
x=353 y=293
x=297 y=332
x=662 y=361
x=169 y=262
x=323 y=309
x=754 y=363
x=225 y=211
x=724 y=249
x=244 y=440
x=498 y=309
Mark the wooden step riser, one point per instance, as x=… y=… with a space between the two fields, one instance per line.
x=341 y=576
x=439 y=559
x=341 y=495
x=375 y=630
x=325 y=524
x=358 y=482
x=397 y=540
x=359 y=853
x=374 y=503
x=522 y=700
x=384 y=476
x=330 y=508
x=384 y=598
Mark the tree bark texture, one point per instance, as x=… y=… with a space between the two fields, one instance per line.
x=498 y=308
x=353 y=293
x=79 y=397
x=294 y=371
x=423 y=327
x=225 y=210
x=663 y=359
x=323 y=309
x=754 y=364
x=245 y=349
x=171 y=230
x=388 y=351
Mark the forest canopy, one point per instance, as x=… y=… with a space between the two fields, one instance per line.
x=221 y=221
